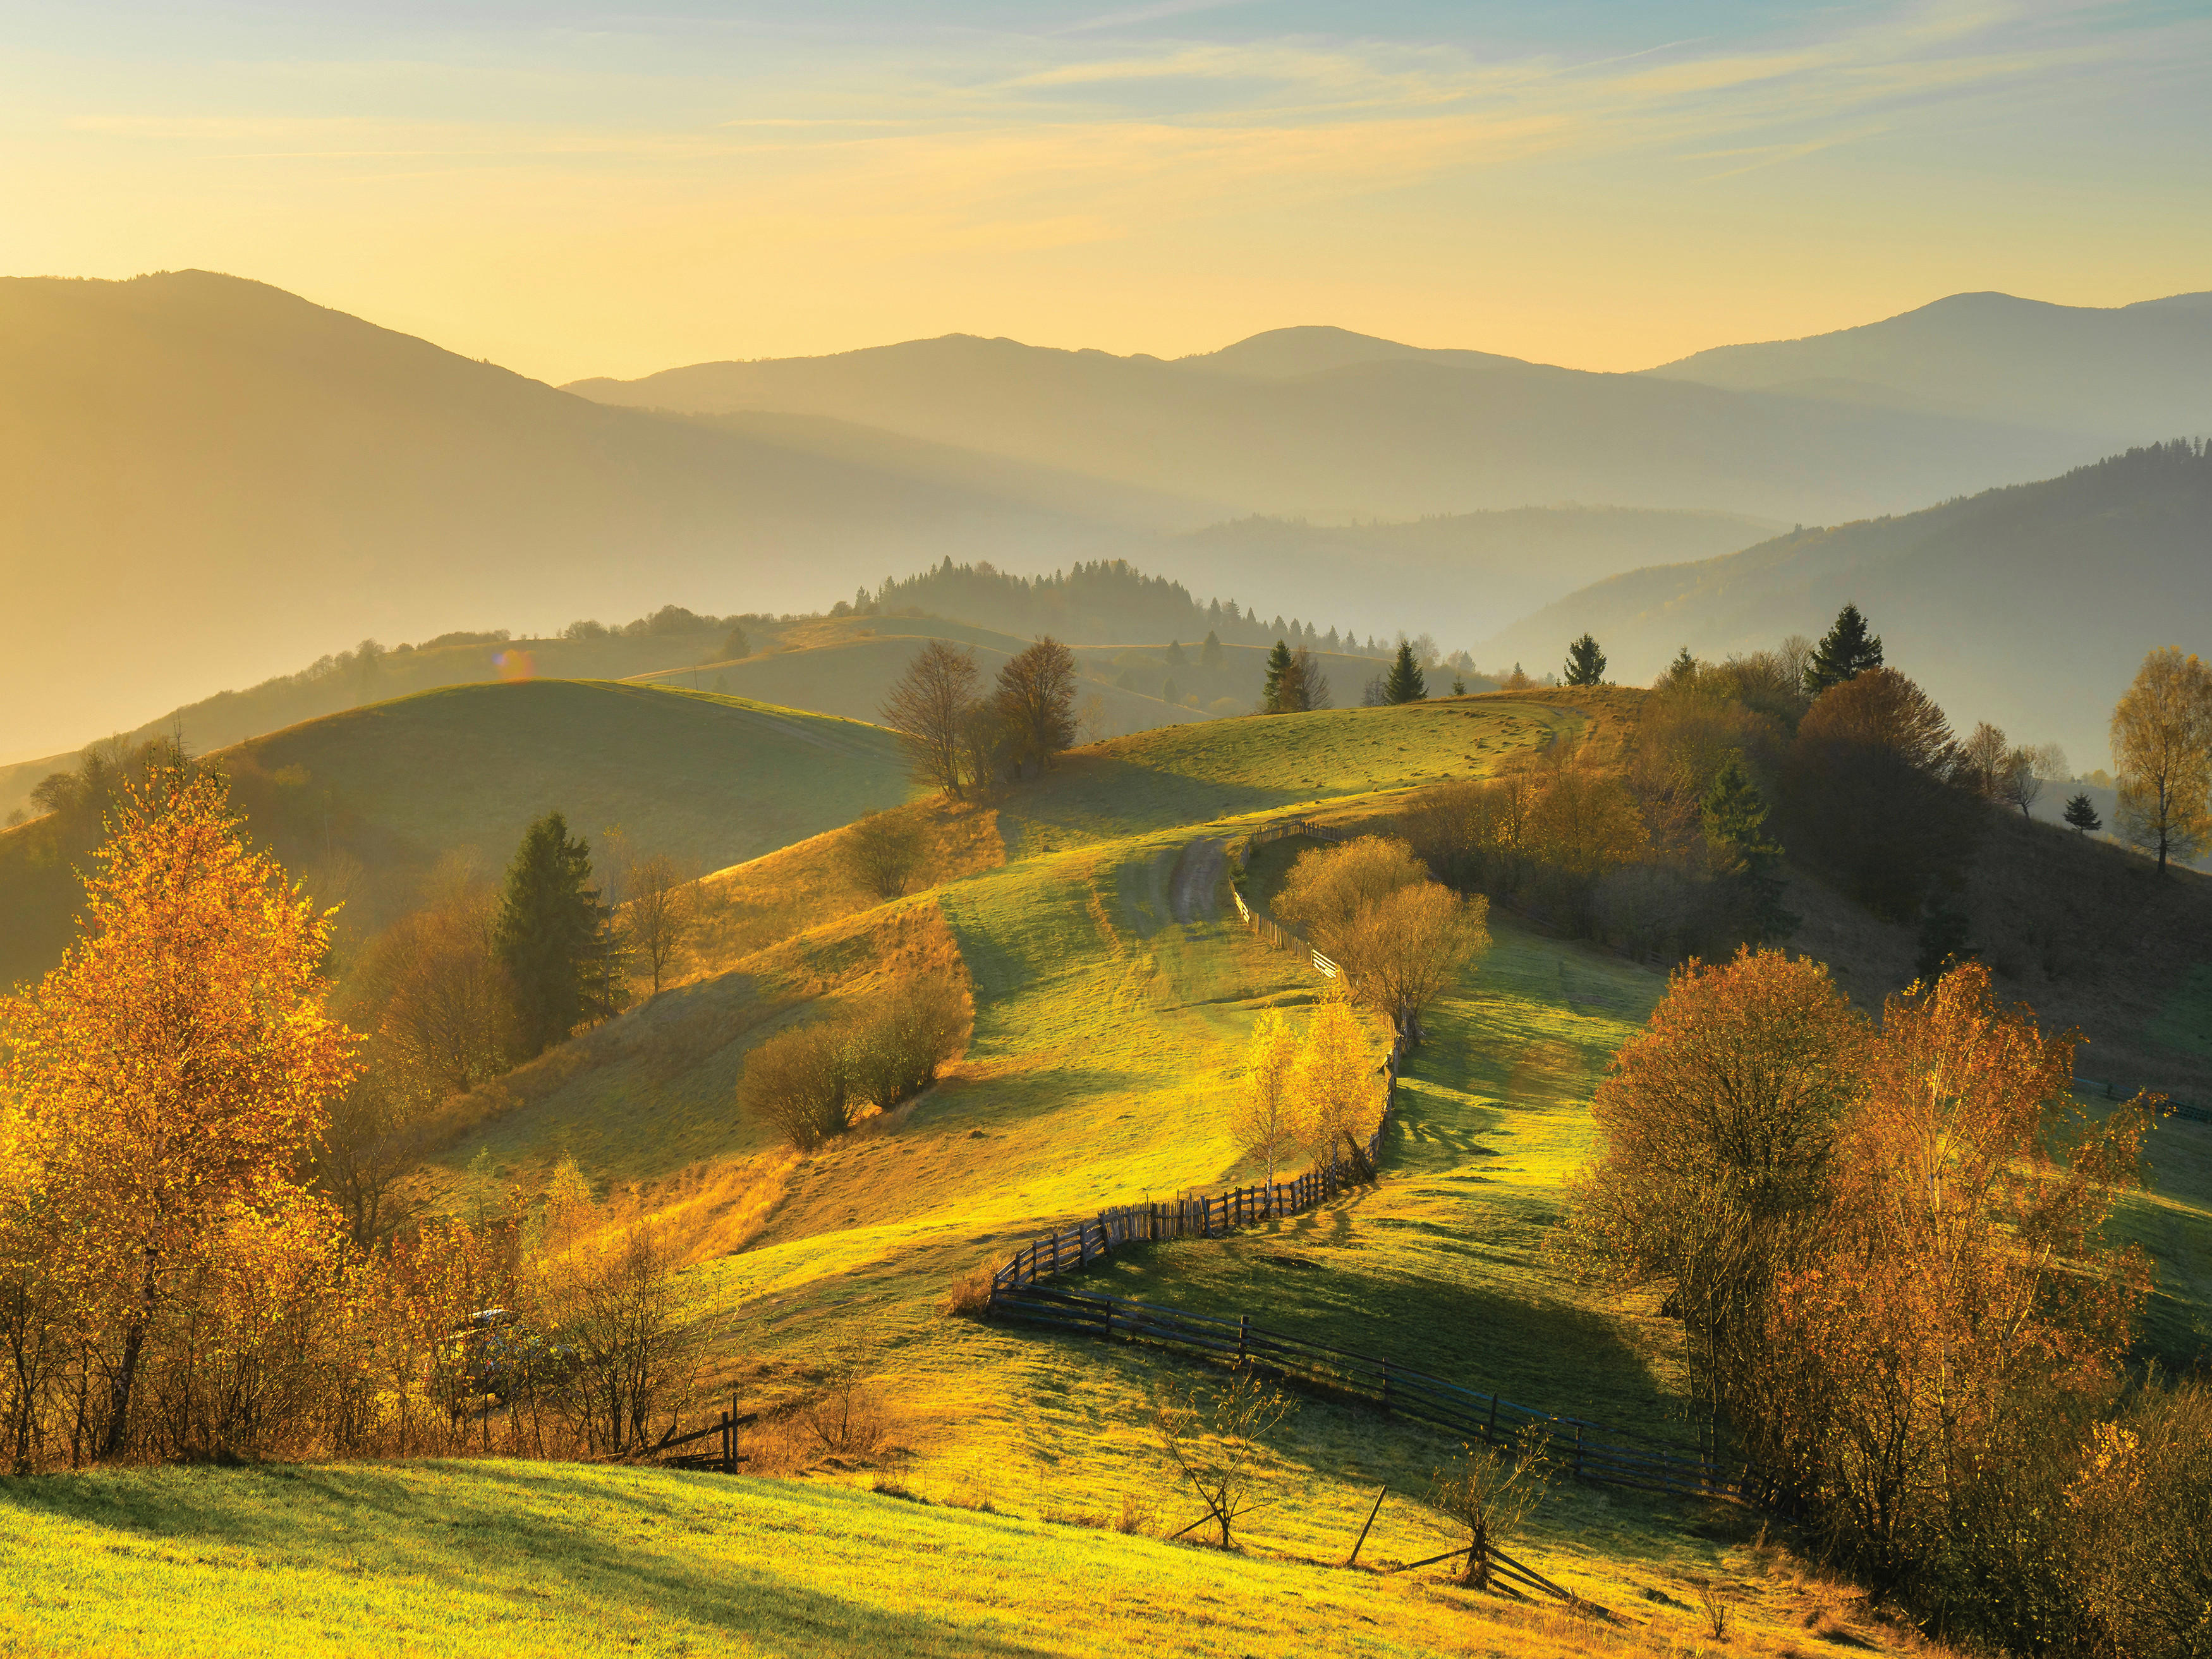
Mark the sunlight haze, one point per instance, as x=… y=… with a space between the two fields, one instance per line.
x=575 y=189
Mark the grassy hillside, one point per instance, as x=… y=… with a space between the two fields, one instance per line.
x=212 y=471
x=2030 y=607
x=392 y=787
x=500 y=1559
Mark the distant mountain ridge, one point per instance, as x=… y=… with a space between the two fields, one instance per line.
x=205 y=474
x=1326 y=423
x=2130 y=374
x=2031 y=606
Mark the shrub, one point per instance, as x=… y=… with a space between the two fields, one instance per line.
x=896 y=1046
x=881 y=853
x=799 y=1083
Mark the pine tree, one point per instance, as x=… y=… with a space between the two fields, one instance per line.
x=554 y=937
x=1176 y=658
x=1585 y=662
x=1734 y=816
x=1405 y=683
x=1278 y=663
x=1845 y=652
x=1944 y=932
x=1209 y=655
x=2082 y=813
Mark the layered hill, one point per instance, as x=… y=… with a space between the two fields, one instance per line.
x=2030 y=606
x=2127 y=374
x=1329 y=423
x=363 y=803
x=202 y=473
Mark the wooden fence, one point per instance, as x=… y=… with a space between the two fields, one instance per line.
x=1591 y=1451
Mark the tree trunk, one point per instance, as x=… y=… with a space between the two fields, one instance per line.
x=119 y=1389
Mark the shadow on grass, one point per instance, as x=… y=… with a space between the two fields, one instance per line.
x=490 y=1527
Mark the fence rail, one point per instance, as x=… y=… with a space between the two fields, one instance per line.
x=1594 y=1452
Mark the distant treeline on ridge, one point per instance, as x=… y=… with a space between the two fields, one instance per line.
x=1104 y=602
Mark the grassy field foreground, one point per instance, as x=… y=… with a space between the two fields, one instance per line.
x=505 y=1559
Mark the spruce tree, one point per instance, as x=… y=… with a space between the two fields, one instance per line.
x=554 y=938
x=1735 y=814
x=2082 y=813
x=1845 y=652
x=1585 y=662
x=1278 y=663
x=1209 y=655
x=1405 y=683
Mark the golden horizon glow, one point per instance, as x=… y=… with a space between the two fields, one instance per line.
x=572 y=202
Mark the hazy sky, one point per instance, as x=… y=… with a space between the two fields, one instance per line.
x=574 y=189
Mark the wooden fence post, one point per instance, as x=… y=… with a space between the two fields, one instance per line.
x=1243 y=1336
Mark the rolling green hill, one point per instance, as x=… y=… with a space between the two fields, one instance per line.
x=392 y=787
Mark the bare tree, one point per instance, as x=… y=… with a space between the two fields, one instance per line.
x=627 y=1351
x=799 y=1082
x=370 y=1147
x=1213 y=1438
x=927 y=708
x=2026 y=773
x=2162 y=749
x=663 y=904
x=1304 y=685
x=1036 y=700
x=1490 y=1491
x=1982 y=760
x=882 y=853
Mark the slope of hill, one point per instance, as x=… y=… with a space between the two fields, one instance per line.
x=1393 y=436
x=1464 y=576
x=362 y=804
x=2030 y=607
x=212 y=471
x=2129 y=375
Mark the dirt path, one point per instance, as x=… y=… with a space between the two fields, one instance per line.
x=1197 y=878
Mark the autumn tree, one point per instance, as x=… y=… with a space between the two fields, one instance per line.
x=1328 y=886
x=2162 y=751
x=1847 y=650
x=1585 y=662
x=927 y=707
x=1967 y=1274
x=1981 y=759
x=1260 y=1116
x=799 y=1083
x=173 y=1070
x=1337 y=1101
x=1036 y=704
x=1718 y=1127
x=555 y=939
x=1401 y=951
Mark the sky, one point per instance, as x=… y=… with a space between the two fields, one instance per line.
x=575 y=189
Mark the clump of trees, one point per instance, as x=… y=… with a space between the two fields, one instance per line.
x=187 y=1267
x=1890 y=1250
x=1397 y=935
x=956 y=741
x=810 y=1083
x=1295 y=683
x=1316 y=1091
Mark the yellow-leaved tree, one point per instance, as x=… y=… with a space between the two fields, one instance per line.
x=1336 y=1092
x=167 y=1077
x=1261 y=1113
x=2162 y=748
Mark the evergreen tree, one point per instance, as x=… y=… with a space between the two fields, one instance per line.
x=1278 y=663
x=1209 y=655
x=1943 y=939
x=1176 y=658
x=1845 y=652
x=1405 y=683
x=1330 y=640
x=2082 y=813
x=1459 y=686
x=1734 y=816
x=554 y=938
x=1585 y=662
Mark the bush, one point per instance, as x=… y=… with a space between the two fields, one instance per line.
x=882 y=853
x=798 y=1082
x=898 y=1043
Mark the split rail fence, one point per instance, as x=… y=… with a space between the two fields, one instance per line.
x=1591 y=1451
